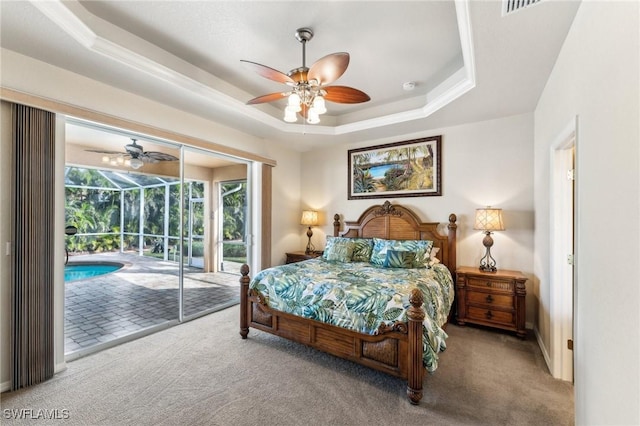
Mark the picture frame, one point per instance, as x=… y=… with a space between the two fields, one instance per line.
x=401 y=169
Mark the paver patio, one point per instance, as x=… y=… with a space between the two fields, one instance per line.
x=143 y=294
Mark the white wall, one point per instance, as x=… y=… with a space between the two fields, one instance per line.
x=25 y=74
x=596 y=78
x=485 y=163
x=286 y=210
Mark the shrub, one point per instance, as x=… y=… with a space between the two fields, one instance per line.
x=197 y=249
x=234 y=250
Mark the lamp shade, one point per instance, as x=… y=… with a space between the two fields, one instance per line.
x=489 y=219
x=309 y=218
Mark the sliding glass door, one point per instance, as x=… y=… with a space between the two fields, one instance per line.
x=158 y=219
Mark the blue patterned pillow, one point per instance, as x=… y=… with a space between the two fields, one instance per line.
x=338 y=249
x=421 y=248
x=399 y=259
x=362 y=249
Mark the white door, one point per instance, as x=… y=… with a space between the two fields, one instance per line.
x=563 y=257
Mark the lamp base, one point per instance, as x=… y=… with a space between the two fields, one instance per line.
x=310 y=248
x=486 y=268
x=488 y=263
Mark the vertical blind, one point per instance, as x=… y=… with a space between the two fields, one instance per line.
x=32 y=350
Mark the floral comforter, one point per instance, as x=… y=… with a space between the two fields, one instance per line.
x=360 y=296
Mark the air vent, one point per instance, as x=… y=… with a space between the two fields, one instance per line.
x=510 y=6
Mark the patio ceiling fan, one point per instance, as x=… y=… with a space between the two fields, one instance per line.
x=134 y=156
x=308 y=87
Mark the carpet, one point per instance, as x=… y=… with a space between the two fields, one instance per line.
x=203 y=373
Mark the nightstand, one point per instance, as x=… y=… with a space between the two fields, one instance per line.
x=494 y=299
x=298 y=256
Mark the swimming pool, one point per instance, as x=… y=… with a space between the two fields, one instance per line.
x=84 y=270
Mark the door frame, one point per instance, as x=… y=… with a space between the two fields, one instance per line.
x=562 y=240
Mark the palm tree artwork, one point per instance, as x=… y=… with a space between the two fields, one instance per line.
x=395 y=168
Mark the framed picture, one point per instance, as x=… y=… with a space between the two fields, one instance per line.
x=401 y=169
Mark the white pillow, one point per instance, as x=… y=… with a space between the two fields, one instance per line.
x=432 y=257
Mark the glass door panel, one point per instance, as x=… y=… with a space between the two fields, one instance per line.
x=205 y=288
x=126 y=209
x=232 y=238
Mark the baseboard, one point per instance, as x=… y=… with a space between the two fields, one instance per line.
x=59 y=368
x=543 y=349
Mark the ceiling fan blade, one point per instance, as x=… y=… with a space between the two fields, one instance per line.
x=102 y=151
x=328 y=69
x=267 y=98
x=268 y=72
x=159 y=156
x=345 y=95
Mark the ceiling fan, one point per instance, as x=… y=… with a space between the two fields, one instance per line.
x=134 y=156
x=309 y=87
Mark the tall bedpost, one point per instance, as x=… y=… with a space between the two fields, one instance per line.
x=415 y=315
x=244 y=294
x=452 y=243
x=336 y=225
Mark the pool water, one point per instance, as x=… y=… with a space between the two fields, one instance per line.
x=88 y=270
x=377 y=172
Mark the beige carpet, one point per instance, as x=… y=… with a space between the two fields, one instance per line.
x=203 y=373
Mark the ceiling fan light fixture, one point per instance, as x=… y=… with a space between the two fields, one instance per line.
x=318 y=105
x=290 y=115
x=134 y=156
x=294 y=101
x=135 y=163
x=313 y=117
x=293 y=109
x=309 y=85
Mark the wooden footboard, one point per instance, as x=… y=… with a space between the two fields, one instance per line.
x=396 y=350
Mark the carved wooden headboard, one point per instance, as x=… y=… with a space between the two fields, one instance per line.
x=395 y=222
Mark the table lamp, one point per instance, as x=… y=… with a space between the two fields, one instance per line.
x=488 y=220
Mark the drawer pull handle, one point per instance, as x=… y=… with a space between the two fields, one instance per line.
x=489 y=299
x=488 y=283
x=488 y=315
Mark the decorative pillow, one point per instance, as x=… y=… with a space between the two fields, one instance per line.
x=362 y=249
x=338 y=249
x=432 y=257
x=421 y=248
x=399 y=259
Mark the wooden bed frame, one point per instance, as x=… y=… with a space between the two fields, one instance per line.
x=396 y=350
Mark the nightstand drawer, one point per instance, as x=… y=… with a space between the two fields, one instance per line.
x=488 y=283
x=491 y=315
x=490 y=299
x=494 y=299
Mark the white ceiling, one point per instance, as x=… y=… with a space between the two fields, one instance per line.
x=468 y=62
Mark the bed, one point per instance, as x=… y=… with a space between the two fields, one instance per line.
x=395 y=343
